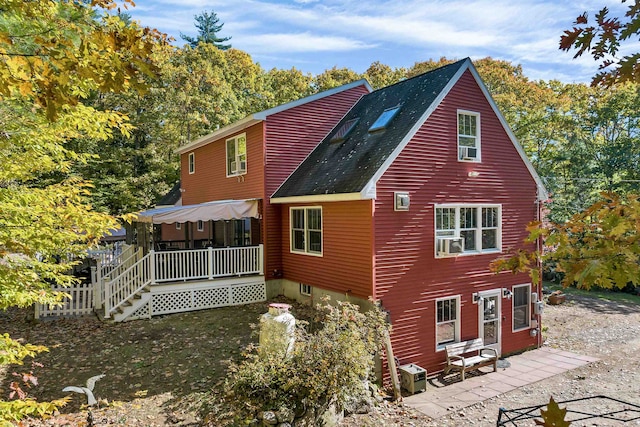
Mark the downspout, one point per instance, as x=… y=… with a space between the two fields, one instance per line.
x=539 y=261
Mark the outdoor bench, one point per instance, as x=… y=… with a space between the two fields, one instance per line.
x=457 y=362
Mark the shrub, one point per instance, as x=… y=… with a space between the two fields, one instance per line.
x=327 y=368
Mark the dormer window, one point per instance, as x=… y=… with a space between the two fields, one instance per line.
x=237 y=155
x=344 y=130
x=384 y=119
x=468 y=136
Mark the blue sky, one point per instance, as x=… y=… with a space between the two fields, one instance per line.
x=313 y=35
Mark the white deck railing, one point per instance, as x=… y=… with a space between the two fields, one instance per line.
x=210 y=263
x=127 y=284
x=179 y=266
x=106 y=272
x=109 y=255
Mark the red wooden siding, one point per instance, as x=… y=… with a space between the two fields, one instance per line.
x=291 y=135
x=408 y=277
x=210 y=182
x=170 y=233
x=346 y=264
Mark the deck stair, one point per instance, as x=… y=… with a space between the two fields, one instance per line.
x=175 y=281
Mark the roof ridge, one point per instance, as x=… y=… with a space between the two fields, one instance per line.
x=439 y=69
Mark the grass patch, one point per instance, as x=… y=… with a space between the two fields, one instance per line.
x=605 y=294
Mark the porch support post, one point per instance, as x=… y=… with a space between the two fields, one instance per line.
x=95 y=284
x=152 y=266
x=107 y=299
x=210 y=262
x=261 y=258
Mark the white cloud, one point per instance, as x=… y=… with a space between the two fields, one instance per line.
x=398 y=32
x=298 y=42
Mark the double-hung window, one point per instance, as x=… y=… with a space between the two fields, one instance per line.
x=306 y=230
x=521 y=307
x=237 y=155
x=447 y=321
x=192 y=163
x=477 y=226
x=468 y=136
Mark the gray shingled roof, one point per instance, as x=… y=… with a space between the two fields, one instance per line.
x=172 y=197
x=347 y=166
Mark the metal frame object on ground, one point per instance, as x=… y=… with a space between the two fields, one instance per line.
x=577 y=410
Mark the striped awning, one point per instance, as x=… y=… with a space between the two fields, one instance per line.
x=210 y=211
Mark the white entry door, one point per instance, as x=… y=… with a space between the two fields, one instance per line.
x=489 y=318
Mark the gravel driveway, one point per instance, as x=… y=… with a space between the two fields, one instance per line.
x=604 y=329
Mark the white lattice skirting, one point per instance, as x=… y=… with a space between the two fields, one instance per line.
x=183 y=297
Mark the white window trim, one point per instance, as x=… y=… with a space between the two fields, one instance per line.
x=479 y=207
x=178 y=226
x=200 y=225
x=457 y=322
x=192 y=163
x=305 y=289
x=513 y=289
x=306 y=229
x=226 y=162
x=478 y=146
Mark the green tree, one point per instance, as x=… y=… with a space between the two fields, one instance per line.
x=282 y=86
x=599 y=246
x=208 y=27
x=381 y=75
x=603 y=40
x=54 y=55
x=334 y=77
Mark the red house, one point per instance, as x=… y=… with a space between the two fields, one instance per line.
x=404 y=194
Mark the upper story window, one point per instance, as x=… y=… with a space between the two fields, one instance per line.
x=521 y=307
x=306 y=230
x=237 y=155
x=467 y=229
x=192 y=163
x=200 y=226
x=468 y=136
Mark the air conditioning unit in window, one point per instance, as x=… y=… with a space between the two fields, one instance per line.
x=450 y=246
x=468 y=153
x=234 y=167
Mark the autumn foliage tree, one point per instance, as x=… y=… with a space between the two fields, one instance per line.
x=53 y=56
x=599 y=246
x=603 y=39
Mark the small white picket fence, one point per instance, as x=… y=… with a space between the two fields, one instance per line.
x=80 y=303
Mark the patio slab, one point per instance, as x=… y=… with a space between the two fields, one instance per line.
x=448 y=393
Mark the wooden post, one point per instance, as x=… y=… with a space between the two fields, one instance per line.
x=210 y=262
x=152 y=267
x=393 y=369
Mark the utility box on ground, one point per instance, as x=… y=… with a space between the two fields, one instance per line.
x=413 y=378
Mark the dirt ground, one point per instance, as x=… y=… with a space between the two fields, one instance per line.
x=157 y=371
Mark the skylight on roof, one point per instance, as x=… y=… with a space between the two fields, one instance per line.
x=344 y=130
x=384 y=119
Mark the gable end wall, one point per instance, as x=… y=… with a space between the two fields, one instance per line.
x=408 y=277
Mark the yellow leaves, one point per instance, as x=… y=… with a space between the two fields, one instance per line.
x=71 y=54
x=597 y=247
x=554 y=416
